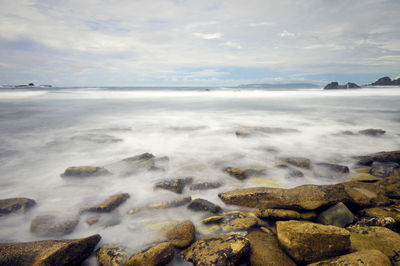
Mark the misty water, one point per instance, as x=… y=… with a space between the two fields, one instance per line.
x=42 y=132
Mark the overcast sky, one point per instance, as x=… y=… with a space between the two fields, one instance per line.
x=199 y=42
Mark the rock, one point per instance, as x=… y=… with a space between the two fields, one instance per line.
x=141 y=162
x=170 y=204
x=216 y=219
x=112 y=255
x=48 y=252
x=382 y=221
x=221 y=250
x=329 y=169
x=242 y=174
x=204 y=205
x=49 y=225
x=363 y=194
x=157 y=255
x=383 y=170
x=141 y=157
x=335 y=86
x=372 y=132
x=361 y=177
x=92 y=220
x=375 y=237
x=277 y=214
x=15 y=205
x=241 y=133
x=383 y=157
x=391 y=186
x=205 y=185
x=302 y=198
x=175 y=185
x=388 y=211
x=308 y=242
x=364 y=170
x=308 y=215
x=96 y=138
x=110 y=204
x=262 y=181
x=236 y=220
x=294 y=173
x=366 y=257
x=265 y=250
x=85 y=171
x=385 y=81
x=337 y=215
x=297 y=161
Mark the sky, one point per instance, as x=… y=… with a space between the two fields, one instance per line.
x=197 y=42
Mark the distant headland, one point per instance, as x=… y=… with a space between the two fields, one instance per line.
x=23 y=86
x=385 y=81
x=279 y=85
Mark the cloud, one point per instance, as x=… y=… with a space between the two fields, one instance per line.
x=264 y=23
x=285 y=33
x=207 y=36
x=232 y=44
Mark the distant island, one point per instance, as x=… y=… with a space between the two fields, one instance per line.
x=280 y=85
x=24 y=86
x=385 y=81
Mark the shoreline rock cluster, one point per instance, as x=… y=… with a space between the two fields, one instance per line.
x=355 y=222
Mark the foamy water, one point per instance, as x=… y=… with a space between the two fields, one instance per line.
x=42 y=132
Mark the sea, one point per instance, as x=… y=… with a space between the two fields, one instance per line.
x=43 y=131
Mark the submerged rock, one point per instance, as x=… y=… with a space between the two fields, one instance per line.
x=110 y=204
x=175 y=185
x=112 y=255
x=164 y=204
x=241 y=133
x=222 y=250
x=337 y=215
x=157 y=255
x=92 y=220
x=308 y=242
x=329 y=169
x=48 y=252
x=297 y=161
x=141 y=157
x=383 y=170
x=205 y=185
x=365 y=257
x=49 y=225
x=96 y=138
x=15 y=205
x=372 y=132
x=277 y=214
x=383 y=157
x=204 y=205
x=242 y=174
x=85 y=171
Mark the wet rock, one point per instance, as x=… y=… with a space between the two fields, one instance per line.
x=141 y=157
x=362 y=177
x=346 y=133
x=297 y=161
x=204 y=205
x=170 y=204
x=383 y=157
x=372 y=132
x=382 y=221
x=236 y=220
x=308 y=215
x=365 y=257
x=85 y=171
x=383 y=170
x=337 y=215
x=132 y=165
x=92 y=220
x=222 y=250
x=302 y=198
x=265 y=250
x=242 y=174
x=157 y=255
x=391 y=186
x=205 y=185
x=216 y=219
x=49 y=225
x=49 y=252
x=112 y=255
x=110 y=204
x=241 y=133
x=329 y=169
x=277 y=214
x=388 y=211
x=15 y=205
x=308 y=242
x=375 y=237
x=364 y=170
x=262 y=181
x=362 y=194
x=175 y=185
x=294 y=173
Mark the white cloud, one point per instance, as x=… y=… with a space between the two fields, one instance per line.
x=259 y=24
x=232 y=44
x=207 y=36
x=285 y=33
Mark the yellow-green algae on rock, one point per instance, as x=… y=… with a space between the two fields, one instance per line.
x=112 y=255
x=369 y=257
x=15 y=205
x=157 y=255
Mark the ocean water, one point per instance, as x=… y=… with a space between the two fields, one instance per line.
x=44 y=131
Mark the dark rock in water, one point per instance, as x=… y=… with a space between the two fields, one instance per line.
x=297 y=161
x=241 y=133
x=265 y=249
x=309 y=242
x=236 y=220
x=383 y=157
x=15 y=205
x=165 y=204
x=110 y=204
x=385 y=81
x=383 y=170
x=175 y=185
x=335 y=86
x=204 y=205
x=277 y=214
x=141 y=157
x=242 y=174
x=157 y=255
x=205 y=185
x=222 y=250
x=329 y=170
x=337 y=215
x=85 y=171
x=112 y=255
x=372 y=132
x=49 y=225
x=48 y=252
x=391 y=186
x=365 y=257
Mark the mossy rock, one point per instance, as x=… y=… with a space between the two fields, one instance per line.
x=15 y=205
x=387 y=211
x=85 y=171
x=366 y=257
x=157 y=255
x=365 y=194
x=49 y=225
x=391 y=186
x=277 y=214
x=362 y=170
x=297 y=161
x=112 y=255
x=236 y=220
x=110 y=204
x=175 y=185
x=204 y=205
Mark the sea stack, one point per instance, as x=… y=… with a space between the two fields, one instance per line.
x=335 y=86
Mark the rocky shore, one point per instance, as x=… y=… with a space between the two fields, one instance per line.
x=356 y=222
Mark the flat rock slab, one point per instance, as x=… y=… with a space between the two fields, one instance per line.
x=160 y=254
x=392 y=211
x=49 y=252
x=383 y=157
x=309 y=242
x=15 y=205
x=85 y=171
x=277 y=214
x=109 y=204
x=222 y=250
x=369 y=257
x=50 y=225
x=204 y=205
x=112 y=255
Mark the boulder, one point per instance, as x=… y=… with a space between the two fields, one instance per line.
x=92 y=220
x=388 y=211
x=48 y=252
x=391 y=186
x=297 y=161
x=383 y=170
x=15 y=205
x=329 y=169
x=372 y=132
x=277 y=214
x=216 y=219
x=385 y=81
x=204 y=205
x=205 y=185
x=49 y=225
x=241 y=133
x=157 y=255
x=375 y=237
x=110 y=204
x=236 y=220
x=112 y=255
x=85 y=171
x=302 y=198
x=141 y=157
x=242 y=174
x=175 y=185
x=309 y=242
x=222 y=250
x=337 y=215
x=265 y=250
x=383 y=157
x=366 y=257
x=362 y=194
